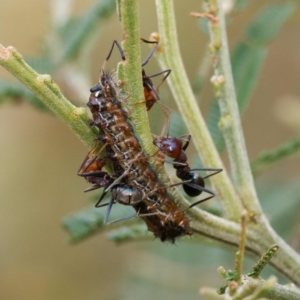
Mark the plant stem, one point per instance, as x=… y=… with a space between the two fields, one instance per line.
x=49 y=93
x=230 y=119
x=169 y=57
x=271 y=290
x=239 y=257
x=233 y=135
x=129 y=72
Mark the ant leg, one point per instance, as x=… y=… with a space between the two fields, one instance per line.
x=168 y=71
x=92 y=188
x=123 y=175
x=152 y=51
x=81 y=169
x=86 y=159
x=198 y=187
x=110 y=203
x=115 y=42
x=216 y=171
x=185 y=137
x=189 y=136
x=198 y=202
x=116 y=181
x=93 y=173
x=126 y=218
x=176 y=163
x=150 y=86
x=122 y=219
x=102 y=148
x=100 y=199
x=105 y=204
x=168 y=186
x=166 y=111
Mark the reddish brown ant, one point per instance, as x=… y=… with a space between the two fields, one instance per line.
x=150 y=92
x=193 y=184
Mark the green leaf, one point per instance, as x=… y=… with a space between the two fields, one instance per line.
x=282 y=202
x=240 y=4
x=247 y=64
x=126 y=234
x=266 y=159
x=89 y=221
x=12 y=91
x=83 y=224
x=76 y=33
x=268 y=22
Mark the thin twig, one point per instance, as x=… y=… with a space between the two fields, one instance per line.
x=169 y=57
x=241 y=251
x=49 y=93
x=230 y=119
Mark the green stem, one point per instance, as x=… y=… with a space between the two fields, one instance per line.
x=233 y=135
x=230 y=119
x=169 y=57
x=49 y=93
x=239 y=258
x=129 y=73
x=271 y=290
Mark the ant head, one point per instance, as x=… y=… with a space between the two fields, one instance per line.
x=169 y=146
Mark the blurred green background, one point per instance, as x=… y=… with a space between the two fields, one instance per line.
x=39 y=158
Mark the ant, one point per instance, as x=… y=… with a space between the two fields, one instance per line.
x=121 y=192
x=91 y=170
x=150 y=92
x=193 y=184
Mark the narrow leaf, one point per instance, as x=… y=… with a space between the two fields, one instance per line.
x=240 y=4
x=268 y=22
x=127 y=234
x=89 y=221
x=12 y=92
x=267 y=159
x=76 y=33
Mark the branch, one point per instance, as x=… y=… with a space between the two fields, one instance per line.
x=49 y=93
x=169 y=58
x=230 y=119
x=129 y=73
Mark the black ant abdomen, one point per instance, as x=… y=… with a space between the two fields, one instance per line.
x=191 y=188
